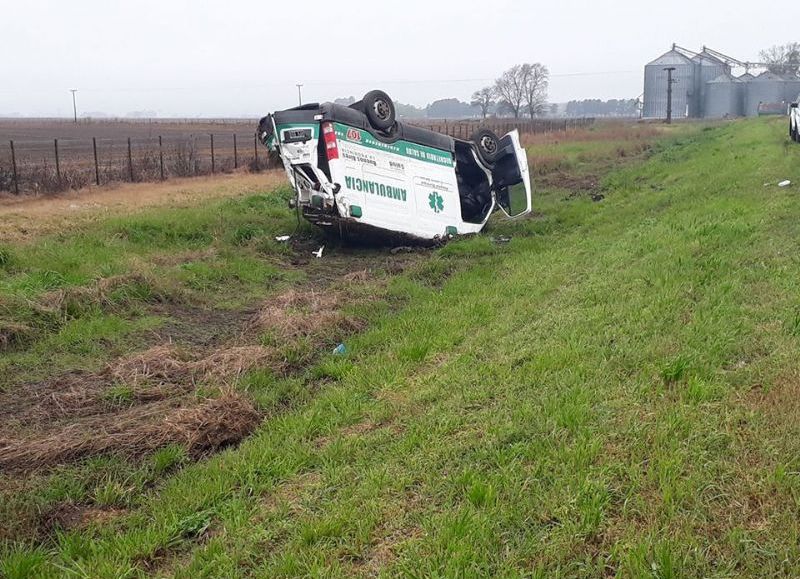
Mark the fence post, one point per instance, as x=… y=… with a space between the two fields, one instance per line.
x=14 y=167
x=212 y=153
x=96 y=165
x=255 y=149
x=130 y=161
x=235 y=153
x=58 y=163
x=161 y=156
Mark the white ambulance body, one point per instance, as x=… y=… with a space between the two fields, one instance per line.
x=394 y=178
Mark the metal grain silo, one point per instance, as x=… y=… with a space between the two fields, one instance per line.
x=723 y=97
x=708 y=68
x=684 y=91
x=765 y=88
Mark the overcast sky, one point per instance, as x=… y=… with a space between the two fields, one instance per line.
x=243 y=57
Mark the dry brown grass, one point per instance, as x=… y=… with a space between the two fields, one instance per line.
x=295 y=314
x=168 y=364
x=162 y=363
x=601 y=131
x=12 y=333
x=205 y=426
x=230 y=363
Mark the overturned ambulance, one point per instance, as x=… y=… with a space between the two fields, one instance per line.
x=356 y=169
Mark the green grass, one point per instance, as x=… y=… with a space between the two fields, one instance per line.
x=54 y=306
x=612 y=392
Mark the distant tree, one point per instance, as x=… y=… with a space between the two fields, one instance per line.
x=511 y=88
x=345 y=101
x=554 y=110
x=408 y=111
x=503 y=109
x=483 y=99
x=536 y=79
x=783 y=58
x=451 y=108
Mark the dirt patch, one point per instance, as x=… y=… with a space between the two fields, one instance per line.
x=362 y=275
x=201 y=427
x=576 y=184
x=72 y=395
x=290 y=494
x=69 y=516
x=779 y=402
x=383 y=552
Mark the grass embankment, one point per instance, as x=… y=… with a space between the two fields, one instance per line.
x=131 y=345
x=612 y=392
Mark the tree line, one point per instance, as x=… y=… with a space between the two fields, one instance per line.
x=600 y=108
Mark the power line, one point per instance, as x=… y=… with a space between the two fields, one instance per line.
x=320 y=82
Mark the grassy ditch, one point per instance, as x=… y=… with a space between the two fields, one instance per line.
x=612 y=392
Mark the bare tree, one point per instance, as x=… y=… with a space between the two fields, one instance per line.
x=783 y=58
x=510 y=88
x=483 y=98
x=536 y=80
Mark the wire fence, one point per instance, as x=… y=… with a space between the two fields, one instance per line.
x=33 y=164
x=463 y=129
x=43 y=166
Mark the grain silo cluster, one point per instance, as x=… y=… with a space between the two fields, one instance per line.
x=705 y=86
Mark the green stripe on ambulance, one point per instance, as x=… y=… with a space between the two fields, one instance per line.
x=375 y=188
x=406 y=149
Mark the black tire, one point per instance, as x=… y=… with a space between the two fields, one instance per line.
x=379 y=108
x=487 y=144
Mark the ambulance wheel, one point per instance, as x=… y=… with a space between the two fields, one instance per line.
x=487 y=144
x=379 y=109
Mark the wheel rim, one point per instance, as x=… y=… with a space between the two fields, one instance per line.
x=382 y=110
x=489 y=144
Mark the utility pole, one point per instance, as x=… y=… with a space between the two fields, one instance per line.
x=299 y=94
x=670 y=82
x=74 y=106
